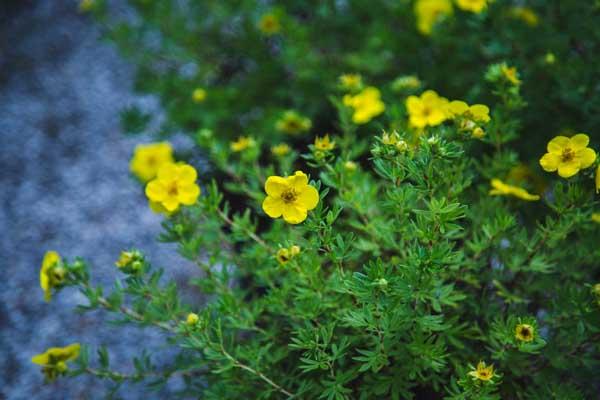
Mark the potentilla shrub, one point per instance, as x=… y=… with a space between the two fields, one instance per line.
x=389 y=241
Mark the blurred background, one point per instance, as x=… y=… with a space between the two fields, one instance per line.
x=65 y=186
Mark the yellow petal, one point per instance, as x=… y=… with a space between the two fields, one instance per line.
x=579 y=141
x=188 y=194
x=557 y=144
x=309 y=197
x=413 y=104
x=156 y=191
x=550 y=162
x=436 y=117
x=187 y=173
x=568 y=169
x=458 y=107
x=293 y=214
x=170 y=203
x=298 y=181
x=586 y=157
x=273 y=206
x=168 y=172
x=275 y=185
x=480 y=112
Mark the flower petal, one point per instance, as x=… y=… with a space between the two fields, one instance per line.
x=275 y=185
x=579 y=141
x=187 y=173
x=170 y=203
x=298 y=181
x=273 y=206
x=188 y=194
x=309 y=197
x=292 y=214
x=550 y=162
x=586 y=157
x=156 y=191
x=568 y=169
x=557 y=144
x=168 y=172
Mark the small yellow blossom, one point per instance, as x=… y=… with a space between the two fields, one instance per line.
x=86 y=5
x=199 y=95
x=524 y=332
x=429 y=109
x=242 y=143
x=192 y=319
x=280 y=150
x=175 y=184
x=478 y=133
x=476 y=112
x=366 y=105
x=351 y=82
x=284 y=255
x=269 y=24
x=293 y=123
x=290 y=197
x=500 y=188
x=130 y=261
x=54 y=360
x=324 y=143
x=568 y=155
x=148 y=158
x=510 y=74
x=52 y=273
x=596 y=217
x=474 y=6
x=430 y=12
x=350 y=166
x=406 y=82
x=483 y=372
x=526 y=15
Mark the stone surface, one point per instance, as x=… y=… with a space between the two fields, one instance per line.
x=65 y=186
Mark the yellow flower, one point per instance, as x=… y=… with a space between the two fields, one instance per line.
x=597 y=180
x=269 y=24
x=596 y=217
x=568 y=155
x=148 y=158
x=280 y=149
x=242 y=143
x=86 y=5
x=285 y=255
x=199 y=95
x=500 y=188
x=52 y=273
x=192 y=319
x=367 y=104
x=510 y=74
x=430 y=12
x=350 y=166
x=428 y=110
x=291 y=122
x=175 y=184
x=483 y=372
x=54 y=360
x=290 y=197
x=324 y=144
x=351 y=82
x=475 y=6
x=476 y=112
x=406 y=82
x=526 y=15
x=524 y=332
x=130 y=261
x=478 y=133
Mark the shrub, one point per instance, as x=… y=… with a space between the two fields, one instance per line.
x=391 y=210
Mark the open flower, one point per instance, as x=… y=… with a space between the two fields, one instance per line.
x=510 y=74
x=524 y=332
x=483 y=372
x=284 y=255
x=474 y=6
x=476 y=112
x=281 y=149
x=293 y=123
x=199 y=95
x=429 y=109
x=568 y=155
x=175 y=184
x=269 y=24
x=500 y=188
x=54 y=360
x=290 y=197
x=52 y=273
x=242 y=143
x=367 y=105
x=324 y=143
x=148 y=158
x=430 y=12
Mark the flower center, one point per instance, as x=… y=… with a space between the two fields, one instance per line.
x=289 y=195
x=525 y=332
x=151 y=160
x=567 y=155
x=172 y=190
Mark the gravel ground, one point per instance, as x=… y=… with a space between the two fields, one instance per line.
x=65 y=186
